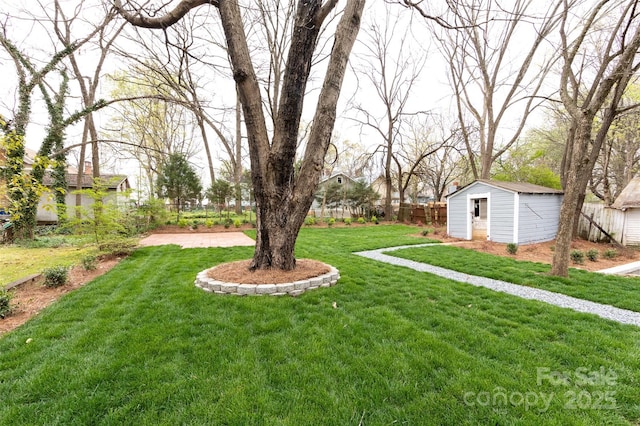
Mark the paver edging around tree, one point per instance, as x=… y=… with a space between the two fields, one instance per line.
x=295 y=288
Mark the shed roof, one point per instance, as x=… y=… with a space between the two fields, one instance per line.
x=630 y=196
x=517 y=187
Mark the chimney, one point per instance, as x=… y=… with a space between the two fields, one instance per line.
x=88 y=170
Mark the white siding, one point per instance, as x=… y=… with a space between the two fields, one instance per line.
x=458 y=214
x=539 y=215
x=501 y=215
x=632 y=227
x=47 y=205
x=611 y=220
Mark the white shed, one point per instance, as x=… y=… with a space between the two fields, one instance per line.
x=504 y=212
x=629 y=202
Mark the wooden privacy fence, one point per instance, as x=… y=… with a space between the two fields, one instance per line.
x=434 y=213
x=597 y=218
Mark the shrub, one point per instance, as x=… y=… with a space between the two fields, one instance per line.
x=592 y=255
x=194 y=225
x=512 y=248
x=610 y=254
x=309 y=221
x=182 y=223
x=120 y=247
x=361 y=220
x=347 y=221
x=5 y=303
x=89 y=262
x=55 y=276
x=425 y=232
x=237 y=223
x=577 y=256
x=331 y=222
x=209 y=223
x=374 y=219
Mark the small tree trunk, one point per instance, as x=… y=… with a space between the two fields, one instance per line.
x=576 y=179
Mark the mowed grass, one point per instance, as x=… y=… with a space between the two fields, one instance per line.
x=19 y=262
x=623 y=292
x=141 y=345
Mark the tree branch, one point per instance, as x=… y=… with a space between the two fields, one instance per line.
x=164 y=21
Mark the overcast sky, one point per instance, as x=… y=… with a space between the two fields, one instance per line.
x=430 y=93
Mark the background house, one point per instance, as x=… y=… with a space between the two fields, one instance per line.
x=336 y=186
x=380 y=186
x=116 y=184
x=504 y=212
x=46 y=206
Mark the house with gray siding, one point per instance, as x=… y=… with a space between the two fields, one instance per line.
x=504 y=212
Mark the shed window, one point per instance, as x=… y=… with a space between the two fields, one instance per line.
x=340 y=180
x=480 y=208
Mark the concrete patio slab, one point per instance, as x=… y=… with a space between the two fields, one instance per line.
x=199 y=240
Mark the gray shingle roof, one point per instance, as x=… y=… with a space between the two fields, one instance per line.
x=87 y=180
x=522 y=187
x=518 y=187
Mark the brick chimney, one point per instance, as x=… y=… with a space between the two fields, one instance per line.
x=88 y=170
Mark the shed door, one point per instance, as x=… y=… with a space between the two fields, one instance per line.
x=479 y=219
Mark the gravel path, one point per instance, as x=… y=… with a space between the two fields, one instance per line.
x=623 y=316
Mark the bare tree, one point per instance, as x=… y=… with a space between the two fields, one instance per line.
x=599 y=60
x=149 y=128
x=283 y=197
x=619 y=160
x=413 y=153
x=392 y=73
x=176 y=60
x=447 y=164
x=108 y=32
x=29 y=78
x=497 y=66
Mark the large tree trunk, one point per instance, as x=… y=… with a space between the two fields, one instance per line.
x=283 y=197
x=576 y=177
x=278 y=226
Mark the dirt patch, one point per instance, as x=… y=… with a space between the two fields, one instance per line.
x=543 y=252
x=32 y=297
x=238 y=272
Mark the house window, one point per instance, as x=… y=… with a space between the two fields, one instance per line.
x=340 y=180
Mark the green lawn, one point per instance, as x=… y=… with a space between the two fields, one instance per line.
x=18 y=262
x=623 y=292
x=141 y=345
